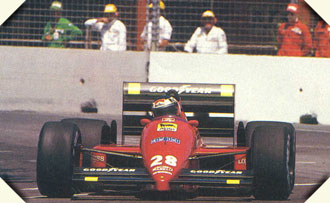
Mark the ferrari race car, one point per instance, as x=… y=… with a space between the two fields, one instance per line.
x=83 y=155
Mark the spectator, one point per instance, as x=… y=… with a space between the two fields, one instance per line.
x=321 y=42
x=165 y=30
x=208 y=38
x=59 y=31
x=294 y=38
x=113 y=31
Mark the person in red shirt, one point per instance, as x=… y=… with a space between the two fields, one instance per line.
x=294 y=38
x=321 y=42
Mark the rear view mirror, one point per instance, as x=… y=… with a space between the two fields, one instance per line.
x=144 y=121
x=193 y=123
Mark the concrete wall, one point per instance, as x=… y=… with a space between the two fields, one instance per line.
x=45 y=79
x=267 y=87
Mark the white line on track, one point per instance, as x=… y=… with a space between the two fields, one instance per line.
x=306 y=184
x=33 y=161
x=30 y=189
x=34 y=197
x=5 y=151
x=82 y=194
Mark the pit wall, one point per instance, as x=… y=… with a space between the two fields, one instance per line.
x=59 y=80
x=267 y=87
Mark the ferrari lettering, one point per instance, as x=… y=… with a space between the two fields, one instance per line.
x=165 y=139
x=167 y=127
x=182 y=89
x=108 y=170
x=168 y=119
x=216 y=172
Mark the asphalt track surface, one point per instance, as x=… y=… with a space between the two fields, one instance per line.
x=19 y=132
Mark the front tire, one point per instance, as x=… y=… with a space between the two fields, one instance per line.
x=58 y=152
x=273 y=161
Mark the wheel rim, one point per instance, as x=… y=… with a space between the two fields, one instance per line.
x=76 y=148
x=289 y=162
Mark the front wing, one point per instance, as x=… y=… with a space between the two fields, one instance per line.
x=223 y=178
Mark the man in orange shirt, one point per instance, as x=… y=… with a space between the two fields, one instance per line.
x=294 y=38
x=321 y=42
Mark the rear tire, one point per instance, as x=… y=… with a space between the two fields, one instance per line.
x=251 y=126
x=94 y=132
x=241 y=139
x=58 y=152
x=113 y=132
x=91 y=130
x=273 y=161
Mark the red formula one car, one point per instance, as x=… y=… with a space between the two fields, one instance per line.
x=82 y=155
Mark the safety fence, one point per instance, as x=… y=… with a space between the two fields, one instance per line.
x=250 y=25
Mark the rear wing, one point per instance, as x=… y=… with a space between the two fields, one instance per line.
x=211 y=104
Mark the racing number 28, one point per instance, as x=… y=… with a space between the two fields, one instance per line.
x=169 y=160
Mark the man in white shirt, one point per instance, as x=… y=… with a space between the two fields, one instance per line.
x=165 y=30
x=113 y=31
x=208 y=38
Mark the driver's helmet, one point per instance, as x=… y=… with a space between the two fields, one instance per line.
x=166 y=105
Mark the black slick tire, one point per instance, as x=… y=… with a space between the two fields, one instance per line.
x=94 y=132
x=58 y=153
x=273 y=162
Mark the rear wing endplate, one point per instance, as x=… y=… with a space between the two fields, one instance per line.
x=211 y=104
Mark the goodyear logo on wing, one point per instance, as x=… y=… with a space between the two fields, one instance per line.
x=187 y=89
x=216 y=172
x=108 y=170
x=167 y=127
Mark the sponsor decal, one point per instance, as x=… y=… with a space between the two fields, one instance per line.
x=92 y=179
x=108 y=170
x=233 y=182
x=167 y=127
x=163 y=172
x=242 y=161
x=100 y=158
x=162 y=168
x=134 y=88
x=216 y=172
x=165 y=139
x=168 y=119
x=182 y=89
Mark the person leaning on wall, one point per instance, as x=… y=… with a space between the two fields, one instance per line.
x=293 y=37
x=321 y=40
x=113 y=31
x=59 y=31
x=165 y=30
x=208 y=38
